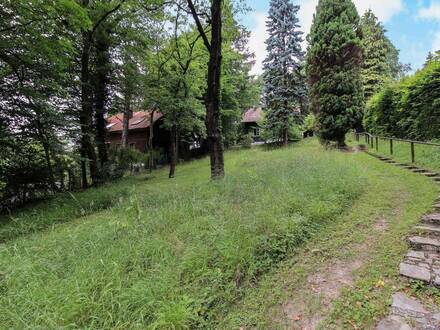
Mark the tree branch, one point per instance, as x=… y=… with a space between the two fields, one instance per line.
x=199 y=25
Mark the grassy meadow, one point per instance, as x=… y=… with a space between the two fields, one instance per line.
x=183 y=253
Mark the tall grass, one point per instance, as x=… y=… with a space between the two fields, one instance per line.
x=62 y=208
x=425 y=155
x=174 y=254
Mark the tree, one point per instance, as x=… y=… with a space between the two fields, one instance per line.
x=381 y=58
x=212 y=100
x=334 y=63
x=284 y=84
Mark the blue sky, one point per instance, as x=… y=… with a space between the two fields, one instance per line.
x=412 y=25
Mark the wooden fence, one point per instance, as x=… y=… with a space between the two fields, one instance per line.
x=373 y=141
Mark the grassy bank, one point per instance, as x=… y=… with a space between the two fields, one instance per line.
x=63 y=208
x=369 y=238
x=426 y=156
x=177 y=253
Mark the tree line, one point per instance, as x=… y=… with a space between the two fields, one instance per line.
x=66 y=65
x=348 y=59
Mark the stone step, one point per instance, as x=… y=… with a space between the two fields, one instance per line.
x=437 y=206
x=430 y=174
x=424 y=243
x=422 y=265
x=418 y=170
x=428 y=230
x=433 y=218
x=436 y=178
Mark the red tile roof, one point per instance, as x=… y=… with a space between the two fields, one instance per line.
x=253 y=115
x=140 y=120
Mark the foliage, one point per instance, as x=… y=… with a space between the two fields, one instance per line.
x=247 y=140
x=309 y=122
x=380 y=55
x=334 y=62
x=123 y=159
x=408 y=109
x=284 y=84
x=176 y=254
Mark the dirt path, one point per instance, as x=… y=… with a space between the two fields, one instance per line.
x=309 y=306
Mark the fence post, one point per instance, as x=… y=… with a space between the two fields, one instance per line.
x=377 y=143
x=391 y=147
x=413 y=153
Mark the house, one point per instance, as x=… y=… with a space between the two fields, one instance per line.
x=138 y=131
x=251 y=121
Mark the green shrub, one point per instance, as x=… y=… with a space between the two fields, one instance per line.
x=408 y=109
x=247 y=141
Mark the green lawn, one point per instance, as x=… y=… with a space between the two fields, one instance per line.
x=426 y=156
x=190 y=253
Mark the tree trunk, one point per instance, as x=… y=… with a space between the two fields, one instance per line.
x=84 y=182
x=126 y=120
x=87 y=146
x=101 y=82
x=285 y=136
x=150 y=141
x=174 y=151
x=213 y=95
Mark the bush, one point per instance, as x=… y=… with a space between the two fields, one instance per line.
x=247 y=141
x=122 y=159
x=408 y=109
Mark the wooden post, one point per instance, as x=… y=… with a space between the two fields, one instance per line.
x=413 y=153
x=377 y=143
x=391 y=146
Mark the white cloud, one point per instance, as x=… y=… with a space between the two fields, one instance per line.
x=383 y=9
x=431 y=12
x=256 y=41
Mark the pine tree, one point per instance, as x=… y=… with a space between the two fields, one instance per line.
x=334 y=62
x=381 y=58
x=284 y=85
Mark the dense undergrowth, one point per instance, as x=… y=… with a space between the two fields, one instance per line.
x=175 y=254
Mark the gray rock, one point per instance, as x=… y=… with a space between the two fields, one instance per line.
x=415 y=272
x=405 y=306
x=393 y=323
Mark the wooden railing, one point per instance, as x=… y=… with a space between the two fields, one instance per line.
x=373 y=141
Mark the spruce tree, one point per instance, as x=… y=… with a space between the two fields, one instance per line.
x=334 y=62
x=381 y=58
x=284 y=83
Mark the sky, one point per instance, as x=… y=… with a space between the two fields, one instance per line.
x=412 y=25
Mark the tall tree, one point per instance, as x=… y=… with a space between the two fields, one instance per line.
x=284 y=83
x=334 y=63
x=99 y=13
x=212 y=100
x=381 y=58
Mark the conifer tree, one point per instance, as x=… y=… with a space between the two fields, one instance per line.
x=284 y=84
x=334 y=63
x=381 y=58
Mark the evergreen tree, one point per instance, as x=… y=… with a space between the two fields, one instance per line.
x=334 y=62
x=381 y=58
x=284 y=85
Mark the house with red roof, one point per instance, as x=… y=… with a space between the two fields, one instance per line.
x=251 y=121
x=138 y=131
